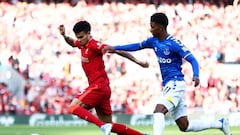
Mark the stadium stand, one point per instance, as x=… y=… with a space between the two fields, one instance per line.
x=31 y=45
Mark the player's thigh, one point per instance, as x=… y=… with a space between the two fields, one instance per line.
x=179 y=114
x=104 y=111
x=103 y=108
x=180 y=111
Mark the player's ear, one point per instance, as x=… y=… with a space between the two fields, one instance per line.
x=161 y=27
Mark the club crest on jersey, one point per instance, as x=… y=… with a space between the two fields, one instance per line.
x=99 y=45
x=166 y=51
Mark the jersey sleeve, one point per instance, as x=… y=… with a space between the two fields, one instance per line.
x=77 y=43
x=101 y=48
x=134 y=46
x=128 y=47
x=195 y=66
x=146 y=43
x=181 y=49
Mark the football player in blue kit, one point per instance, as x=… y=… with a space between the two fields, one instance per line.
x=170 y=52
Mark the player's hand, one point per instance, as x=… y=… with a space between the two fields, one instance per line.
x=196 y=81
x=62 y=29
x=108 y=49
x=144 y=64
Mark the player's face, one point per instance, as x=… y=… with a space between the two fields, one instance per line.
x=155 y=29
x=83 y=37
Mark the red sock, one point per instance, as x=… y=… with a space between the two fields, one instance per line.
x=121 y=129
x=85 y=114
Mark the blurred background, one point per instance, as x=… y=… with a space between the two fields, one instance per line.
x=40 y=73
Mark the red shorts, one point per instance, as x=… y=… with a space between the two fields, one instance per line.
x=98 y=97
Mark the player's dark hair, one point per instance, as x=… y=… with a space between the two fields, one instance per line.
x=160 y=18
x=82 y=26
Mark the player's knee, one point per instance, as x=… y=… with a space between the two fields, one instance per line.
x=182 y=126
x=160 y=109
x=182 y=123
x=183 y=129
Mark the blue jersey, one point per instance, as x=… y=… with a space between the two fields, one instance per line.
x=170 y=53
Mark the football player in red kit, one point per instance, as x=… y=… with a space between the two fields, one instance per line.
x=97 y=94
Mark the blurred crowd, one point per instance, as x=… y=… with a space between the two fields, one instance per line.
x=155 y=2
x=31 y=44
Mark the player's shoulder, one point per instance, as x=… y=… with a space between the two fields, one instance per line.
x=151 y=39
x=171 y=38
x=95 y=45
x=92 y=43
x=174 y=41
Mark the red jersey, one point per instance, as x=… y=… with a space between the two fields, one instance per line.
x=92 y=62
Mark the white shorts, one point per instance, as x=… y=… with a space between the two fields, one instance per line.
x=172 y=98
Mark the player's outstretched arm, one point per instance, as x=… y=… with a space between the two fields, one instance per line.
x=132 y=58
x=111 y=49
x=68 y=39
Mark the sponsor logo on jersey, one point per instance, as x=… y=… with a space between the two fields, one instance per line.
x=164 y=60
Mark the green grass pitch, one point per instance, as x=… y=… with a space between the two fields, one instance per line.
x=93 y=130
